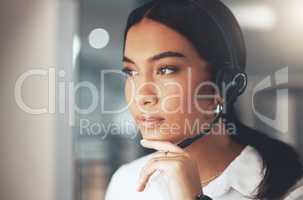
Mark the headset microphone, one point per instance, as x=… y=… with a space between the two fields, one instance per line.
x=236 y=88
x=230 y=74
x=189 y=141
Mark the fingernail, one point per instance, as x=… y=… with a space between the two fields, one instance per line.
x=140 y=183
x=139 y=187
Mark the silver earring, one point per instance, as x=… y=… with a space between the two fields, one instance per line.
x=218 y=109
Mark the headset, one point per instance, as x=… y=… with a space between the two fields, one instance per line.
x=230 y=74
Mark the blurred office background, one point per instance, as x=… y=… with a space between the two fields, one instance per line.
x=66 y=155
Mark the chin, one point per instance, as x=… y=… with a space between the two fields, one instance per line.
x=155 y=135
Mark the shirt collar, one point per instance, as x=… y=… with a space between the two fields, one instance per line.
x=243 y=174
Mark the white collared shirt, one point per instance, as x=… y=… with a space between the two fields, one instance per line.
x=238 y=181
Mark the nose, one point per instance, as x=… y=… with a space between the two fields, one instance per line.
x=147 y=95
x=147 y=99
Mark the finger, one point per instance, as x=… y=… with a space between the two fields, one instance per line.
x=145 y=174
x=161 y=146
x=154 y=164
x=144 y=180
x=160 y=154
x=165 y=158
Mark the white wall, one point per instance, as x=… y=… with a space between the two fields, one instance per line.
x=30 y=150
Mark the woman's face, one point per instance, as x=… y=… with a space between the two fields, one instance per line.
x=163 y=89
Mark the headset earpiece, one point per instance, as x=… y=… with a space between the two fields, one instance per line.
x=231 y=83
x=229 y=77
x=240 y=82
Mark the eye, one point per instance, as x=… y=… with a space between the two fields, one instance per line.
x=128 y=71
x=167 y=69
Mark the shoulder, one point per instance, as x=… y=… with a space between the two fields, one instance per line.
x=296 y=192
x=131 y=169
x=252 y=156
x=125 y=178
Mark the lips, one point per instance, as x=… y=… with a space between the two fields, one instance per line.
x=149 y=121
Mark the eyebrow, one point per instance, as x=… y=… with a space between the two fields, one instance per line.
x=158 y=56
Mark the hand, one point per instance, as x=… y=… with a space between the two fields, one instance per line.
x=180 y=170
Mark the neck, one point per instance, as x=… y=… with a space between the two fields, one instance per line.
x=213 y=153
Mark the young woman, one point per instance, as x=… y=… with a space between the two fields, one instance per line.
x=172 y=48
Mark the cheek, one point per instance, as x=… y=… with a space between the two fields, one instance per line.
x=182 y=97
x=200 y=90
x=129 y=91
x=181 y=105
x=172 y=98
